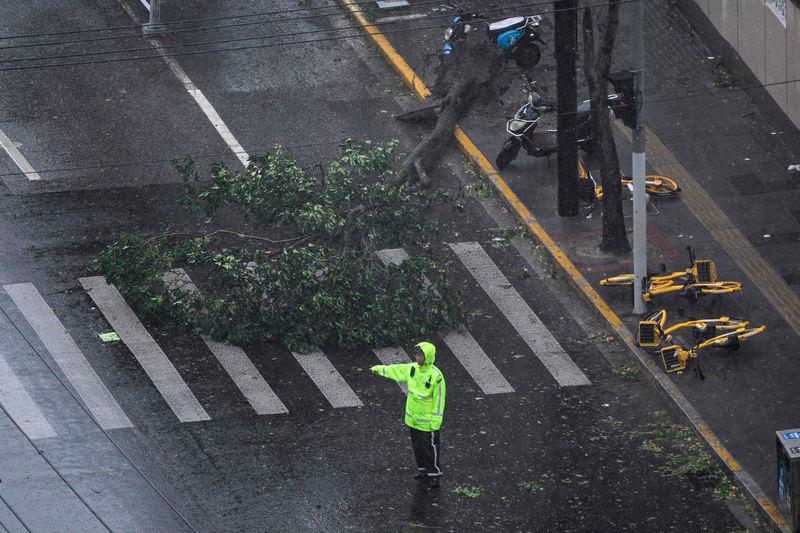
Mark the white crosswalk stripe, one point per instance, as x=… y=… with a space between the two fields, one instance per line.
x=463 y=345
x=235 y=362
x=328 y=379
x=68 y=356
x=516 y=310
x=391 y=356
x=20 y=407
x=145 y=349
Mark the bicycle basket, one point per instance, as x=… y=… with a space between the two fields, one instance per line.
x=649 y=334
x=705 y=271
x=669 y=356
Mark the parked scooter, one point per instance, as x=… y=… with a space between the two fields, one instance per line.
x=518 y=36
x=523 y=127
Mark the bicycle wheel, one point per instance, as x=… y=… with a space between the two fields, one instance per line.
x=719 y=287
x=622 y=280
x=508 y=153
x=661 y=186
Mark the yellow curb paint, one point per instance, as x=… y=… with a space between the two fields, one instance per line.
x=469 y=148
x=409 y=76
x=774 y=514
x=712 y=440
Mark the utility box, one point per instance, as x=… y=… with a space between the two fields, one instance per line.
x=788 y=448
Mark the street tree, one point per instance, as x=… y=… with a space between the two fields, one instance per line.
x=476 y=73
x=287 y=254
x=597 y=55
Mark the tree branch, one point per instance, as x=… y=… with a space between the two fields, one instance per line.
x=225 y=232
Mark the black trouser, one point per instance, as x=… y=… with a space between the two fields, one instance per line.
x=427 y=451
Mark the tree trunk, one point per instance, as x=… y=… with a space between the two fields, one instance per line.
x=566 y=30
x=458 y=100
x=475 y=73
x=597 y=64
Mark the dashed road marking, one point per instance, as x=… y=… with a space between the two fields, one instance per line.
x=20 y=406
x=68 y=356
x=11 y=149
x=145 y=349
x=205 y=105
x=327 y=379
x=235 y=362
x=519 y=314
x=463 y=345
x=391 y=356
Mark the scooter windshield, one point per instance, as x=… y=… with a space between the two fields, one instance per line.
x=527 y=113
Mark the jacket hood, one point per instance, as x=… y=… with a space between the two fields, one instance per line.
x=429 y=350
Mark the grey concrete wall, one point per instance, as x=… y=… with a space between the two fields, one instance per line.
x=770 y=49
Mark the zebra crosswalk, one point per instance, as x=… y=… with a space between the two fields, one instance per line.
x=145 y=349
x=235 y=362
x=19 y=403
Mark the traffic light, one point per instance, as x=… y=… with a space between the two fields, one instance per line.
x=627 y=106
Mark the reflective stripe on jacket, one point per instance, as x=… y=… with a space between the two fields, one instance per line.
x=426 y=392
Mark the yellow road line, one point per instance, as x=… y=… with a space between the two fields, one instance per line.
x=469 y=148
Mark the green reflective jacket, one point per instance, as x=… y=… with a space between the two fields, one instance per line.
x=426 y=389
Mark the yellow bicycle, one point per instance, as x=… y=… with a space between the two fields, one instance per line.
x=652 y=331
x=675 y=357
x=655 y=185
x=698 y=279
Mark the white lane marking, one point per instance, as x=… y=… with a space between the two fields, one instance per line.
x=204 y=104
x=328 y=379
x=463 y=344
x=20 y=407
x=519 y=314
x=145 y=349
x=390 y=356
x=233 y=359
x=146 y=4
x=68 y=356
x=11 y=149
x=414 y=16
x=389 y=4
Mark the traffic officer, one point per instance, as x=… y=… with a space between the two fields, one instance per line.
x=424 y=407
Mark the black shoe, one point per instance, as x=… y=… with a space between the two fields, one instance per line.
x=434 y=482
x=421 y=476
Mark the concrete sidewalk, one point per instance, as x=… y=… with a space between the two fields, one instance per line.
x=730 y=149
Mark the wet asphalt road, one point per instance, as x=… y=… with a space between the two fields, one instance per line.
x=114 y=127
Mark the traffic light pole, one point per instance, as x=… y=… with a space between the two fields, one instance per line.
x=638 y=163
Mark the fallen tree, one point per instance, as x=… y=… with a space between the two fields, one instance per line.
x=287 y=254
x=476 y=73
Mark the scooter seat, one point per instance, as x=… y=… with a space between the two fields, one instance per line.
x=513 y=23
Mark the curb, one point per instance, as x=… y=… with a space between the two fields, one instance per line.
x=656 y=374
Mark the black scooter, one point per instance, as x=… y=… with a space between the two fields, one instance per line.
x=523 y=127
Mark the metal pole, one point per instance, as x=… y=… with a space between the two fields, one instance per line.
x=566 y=29
x=638 y=163
x=154 y=26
